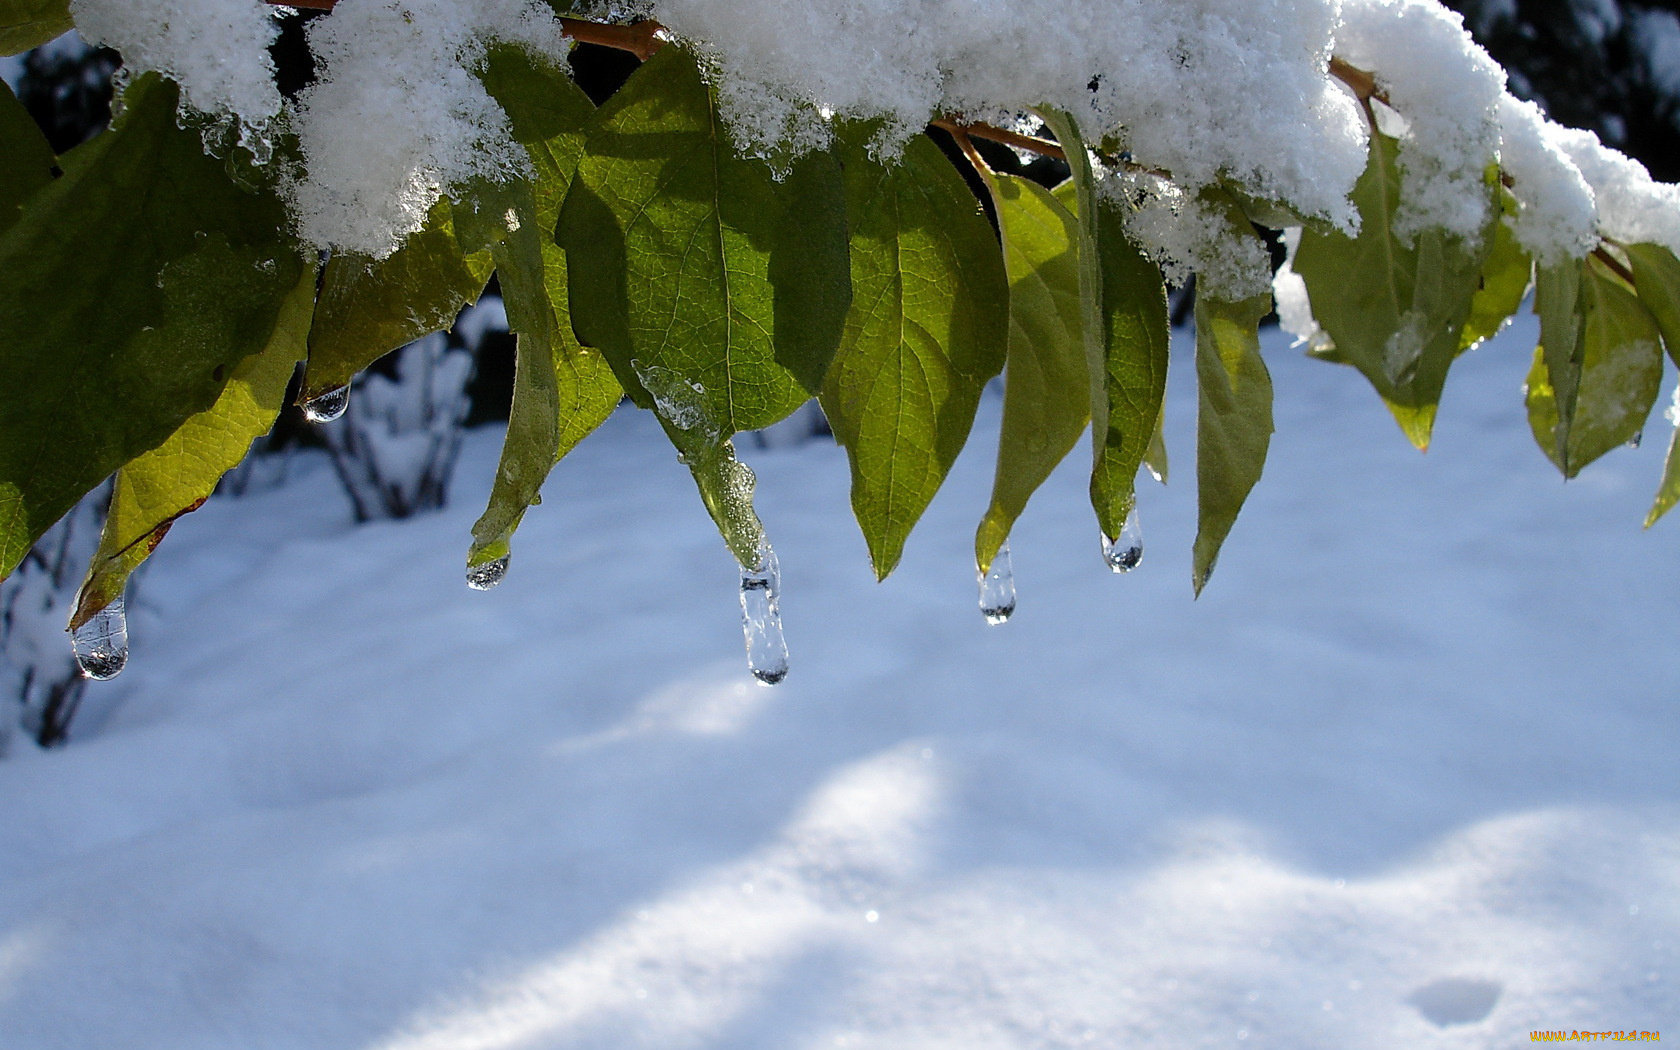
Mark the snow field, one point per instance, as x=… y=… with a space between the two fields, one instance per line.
x=1405 y=776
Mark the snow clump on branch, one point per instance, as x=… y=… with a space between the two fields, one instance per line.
x=1198 y=92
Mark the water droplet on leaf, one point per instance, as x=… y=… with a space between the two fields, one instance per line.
x=761 y=618
x=101 y=644
x=997 y=588
x=1125 y=552
x=485 y=576
x=327 y=407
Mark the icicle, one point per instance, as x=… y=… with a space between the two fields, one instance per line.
x=101 y=644
x=761 y=618
x=1124 y=552
x=327 y=407
x=997 y=588
x=485 y=576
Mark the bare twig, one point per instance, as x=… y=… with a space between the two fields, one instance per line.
x=1040 y=146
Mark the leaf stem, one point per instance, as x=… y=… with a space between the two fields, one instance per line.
x=961 y=131
x=1613 y=264
x=1362 y=84
x=641 y=39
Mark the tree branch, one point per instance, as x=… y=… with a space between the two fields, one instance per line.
x=996 y=134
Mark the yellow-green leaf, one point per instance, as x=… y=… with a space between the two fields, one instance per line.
x=1233 y=420
x=1619 y=354
x=369 y=307
x=175 y=478
x=924 y=333
x=1046 y=396
x=1656 y=279
x=562 y=391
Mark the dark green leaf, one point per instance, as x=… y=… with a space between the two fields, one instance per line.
x=156 y=488
x=1046 y=397
x=369 y=307
x=26 y=161
x=30 y=23
x=1551 y=395
x=1620 y=354
x=1395 y=309
x=924 y=333
x=562 y=391
x=695 y=264
x=134 y=285
x=1656 y=278
x=1233 y=421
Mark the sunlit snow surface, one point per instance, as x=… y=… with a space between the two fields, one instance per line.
x=1408 y=775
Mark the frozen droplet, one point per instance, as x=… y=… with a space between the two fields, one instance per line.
x=485 y=576
x=324 y=408
x=1124 y=552
x=997 y=588
x=761 y=618
x=101 y=644
x=1634 y=441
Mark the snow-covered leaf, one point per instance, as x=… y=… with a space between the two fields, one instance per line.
x=924 y=333
x=156 y=488
x=1046 y=395
x=1233 y=420
x=132 y=288
x=1618 y=354
x=1394 y=307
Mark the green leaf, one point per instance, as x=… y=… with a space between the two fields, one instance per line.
x=1506 y=275
x=690 y=259
x=1156 y=458
x=1046 y=394
x=1233 y=421
x=1668 y=493
x=924 y=333
x=27 y=163
x=1552 y=394
x=30 y=23
x=156 y=488
x=1620 y=371
x=1395 y=309
x=562 y=391
x=369 y=307
x=1125 y=329
x=1134 y=301
x=134 y=285
x=1656 y=277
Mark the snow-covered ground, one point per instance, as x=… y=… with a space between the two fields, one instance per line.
x=1408 y=775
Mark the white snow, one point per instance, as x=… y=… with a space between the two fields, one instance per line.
x=1447 y=90
x=1403 y=777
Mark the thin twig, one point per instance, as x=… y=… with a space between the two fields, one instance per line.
x=1615 y=266
x=1044 y=147
x=1362 y=84
x=641 y=39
